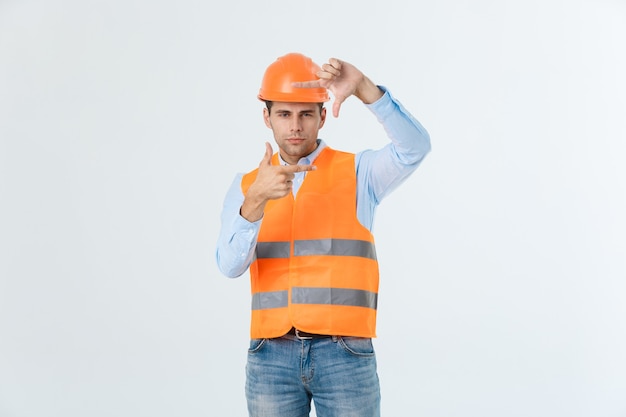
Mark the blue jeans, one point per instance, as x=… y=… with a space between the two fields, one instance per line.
x=339 y=374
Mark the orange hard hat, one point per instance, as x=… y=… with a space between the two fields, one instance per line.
x=293 y=67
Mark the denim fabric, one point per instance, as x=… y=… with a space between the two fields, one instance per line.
x=339 y=374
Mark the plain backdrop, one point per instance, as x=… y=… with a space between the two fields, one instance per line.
x=503 y=258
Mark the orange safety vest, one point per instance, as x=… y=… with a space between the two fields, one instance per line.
x=315 y=264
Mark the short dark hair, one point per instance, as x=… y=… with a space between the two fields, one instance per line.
x=269 y=105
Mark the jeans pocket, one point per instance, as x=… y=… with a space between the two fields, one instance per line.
x=256 y=345
x=357 y=346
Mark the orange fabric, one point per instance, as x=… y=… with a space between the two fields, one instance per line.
x=293 y=67
x=325 y=208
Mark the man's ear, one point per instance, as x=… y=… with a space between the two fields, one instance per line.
x=266 y=117
x=323 y=117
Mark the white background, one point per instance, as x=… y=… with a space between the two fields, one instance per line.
x=122 y=124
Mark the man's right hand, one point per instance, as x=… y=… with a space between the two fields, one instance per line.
x=272 y=182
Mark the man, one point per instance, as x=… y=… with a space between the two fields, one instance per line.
x=301 y=223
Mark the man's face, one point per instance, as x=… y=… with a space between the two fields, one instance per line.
x=295 y=127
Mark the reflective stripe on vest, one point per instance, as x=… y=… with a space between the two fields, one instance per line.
x=337 y=247
x=334 y=296
x=300 y=295
x=272 y=250
x=270 y=299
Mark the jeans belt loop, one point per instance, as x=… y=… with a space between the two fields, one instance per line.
x=302 y=337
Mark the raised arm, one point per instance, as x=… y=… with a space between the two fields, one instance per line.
x=344 y=80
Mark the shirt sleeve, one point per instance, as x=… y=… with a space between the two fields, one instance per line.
x=238 y=236
x=381 y=171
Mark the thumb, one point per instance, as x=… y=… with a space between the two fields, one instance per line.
x=267 y=158
x=336 y=106
x=340 y=97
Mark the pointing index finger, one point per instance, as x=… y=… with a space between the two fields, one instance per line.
x=300 y=168
x=307 y=84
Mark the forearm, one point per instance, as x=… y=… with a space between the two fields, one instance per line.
x=235 y=252
x=367 y=91
x=238 y=236
x=409 y=139
x=381 y=171
x=252 y=207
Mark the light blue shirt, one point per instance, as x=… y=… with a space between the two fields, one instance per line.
x=378 y=173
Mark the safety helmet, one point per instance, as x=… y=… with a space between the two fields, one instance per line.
x=293 y=67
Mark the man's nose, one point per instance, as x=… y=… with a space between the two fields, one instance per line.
x=296 y=125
